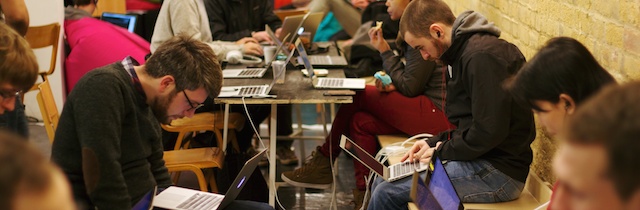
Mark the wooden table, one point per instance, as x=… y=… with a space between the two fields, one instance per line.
x=297 y=89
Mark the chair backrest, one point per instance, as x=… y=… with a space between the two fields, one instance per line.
x=44 y=36
x=48 y=109
x=289 y=12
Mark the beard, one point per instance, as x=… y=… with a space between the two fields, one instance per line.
x=160 y=105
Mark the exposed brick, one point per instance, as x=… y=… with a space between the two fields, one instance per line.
x=614 y=34
x=630 y=67
x=630 y=11
x=632 y=40
x=608 y=9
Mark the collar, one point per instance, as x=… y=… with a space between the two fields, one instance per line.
x=128 y=64
x=457 y=45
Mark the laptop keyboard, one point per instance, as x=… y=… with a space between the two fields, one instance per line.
x=328 y=82
x=251 y=72
x=320 y=59
x=201 y=201
x=251 y=91
x=405 y=167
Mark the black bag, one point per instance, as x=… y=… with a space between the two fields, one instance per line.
x=256 y=188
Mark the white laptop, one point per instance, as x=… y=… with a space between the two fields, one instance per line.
x=391 y=173
x=327 y=83
x=243 y=73
x=188 y=199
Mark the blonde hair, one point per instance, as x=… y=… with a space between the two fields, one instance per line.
x=18 y=64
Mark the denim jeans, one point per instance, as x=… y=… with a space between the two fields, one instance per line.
x=15 y=121
x=475 y=182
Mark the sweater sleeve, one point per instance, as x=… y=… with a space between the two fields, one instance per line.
x=99 y=113
x=270 y=18
x=218 y=24
x=490 y=108
x=158 y=168
x=410 y=79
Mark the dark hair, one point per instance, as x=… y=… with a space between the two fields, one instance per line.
x=192 y=63
x=611 y=118
x=563 y=65
x=421 y=14
x=23 y=169
x=18 y=64
x=84 y=2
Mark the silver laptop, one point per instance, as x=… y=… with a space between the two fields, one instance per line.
x=391 y=173
x=243 y=73
x=188 y=199
x=327 y=83
x=292 y=24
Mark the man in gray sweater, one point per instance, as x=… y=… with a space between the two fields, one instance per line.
x=108 y=140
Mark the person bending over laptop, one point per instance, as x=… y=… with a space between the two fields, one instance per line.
x=108 y=140
x=411 y=105
x=493 y=132
x=556 y=81
x=597 y=160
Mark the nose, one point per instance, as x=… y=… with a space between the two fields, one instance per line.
x=8 y=104
x=425 y=55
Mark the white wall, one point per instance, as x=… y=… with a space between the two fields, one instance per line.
x=42 y=12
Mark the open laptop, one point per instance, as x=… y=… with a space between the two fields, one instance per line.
x=146 y=203
x=182 y=198
x=243 y=73
x=292 y=24
x=122 y=20
x=327 y=83
x=389 y=173
x=436 y=191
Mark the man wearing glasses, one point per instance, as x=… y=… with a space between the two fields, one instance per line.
x=18 y=72
x=108 y=139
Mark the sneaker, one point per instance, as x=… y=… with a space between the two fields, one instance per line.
x=286 y=156
x=315 y=173
x=359 y=198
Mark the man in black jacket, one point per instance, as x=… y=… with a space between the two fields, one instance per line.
x=488 y=155
x=232 y=20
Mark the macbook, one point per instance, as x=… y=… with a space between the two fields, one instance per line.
x=327 y=83
x=308 y=22
x=243 y=73
x=126 y=21
x=183 y=199
x=437 y=191
x=391 y=173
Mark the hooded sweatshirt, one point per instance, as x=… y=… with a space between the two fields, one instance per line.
x=490 y=125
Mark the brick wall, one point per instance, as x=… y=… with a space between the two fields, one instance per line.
x=609 y=29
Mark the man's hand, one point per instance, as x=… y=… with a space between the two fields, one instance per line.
x=377 y=40
x=246 y=40
x=252 y=48
x=384 y=88
x=420 y=151
x=261 y=36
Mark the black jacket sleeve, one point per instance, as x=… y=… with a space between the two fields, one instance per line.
x=490 y=107
x=218 y=24
x=270 y=18
x=410 y=79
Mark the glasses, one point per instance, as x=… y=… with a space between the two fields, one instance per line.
x=9 y=94
x=191 y=103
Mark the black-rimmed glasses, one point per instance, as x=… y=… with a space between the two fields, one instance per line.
x=191 y=103
x=9 y=94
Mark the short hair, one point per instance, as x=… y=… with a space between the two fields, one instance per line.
x=562 y=65
x=18 y=64
x=421 y=14
x=611 y=118
x=24 y=169
x=192 y=63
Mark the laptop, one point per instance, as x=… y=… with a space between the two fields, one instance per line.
x=146 y=203
x=126 y=21
x=327 y=83
x=243 y=73
x=436 y=191
x=323 y=61
x=389 y=173
x=308 y=22
x=183 y=199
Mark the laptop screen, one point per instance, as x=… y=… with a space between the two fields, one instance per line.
x=439 y=193
x=146 y=201
x=363 y=156
x=305 y=58
x=126 y=21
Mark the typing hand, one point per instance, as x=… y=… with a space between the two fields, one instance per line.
x=252 y=49
x=420 y=151
x=261 y=36
x=384 y=88
x=246 y=40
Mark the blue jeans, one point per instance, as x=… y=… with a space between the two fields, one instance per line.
x=475 y=182
x=15 y=121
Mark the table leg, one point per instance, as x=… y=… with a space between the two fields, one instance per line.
x=272 y=155
x=225 y=131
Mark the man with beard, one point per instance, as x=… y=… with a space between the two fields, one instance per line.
x=108 y=139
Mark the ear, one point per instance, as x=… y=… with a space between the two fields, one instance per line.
x=167 y=83
x=569 y=103
x=436 y=31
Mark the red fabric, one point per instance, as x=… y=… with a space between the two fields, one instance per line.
x=279 y=3
x=141 y=5
x=95 y=43
x=553 y=195
x=375 y=113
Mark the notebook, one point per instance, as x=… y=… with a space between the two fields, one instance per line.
x=300 y=23
x=243 y=73
x=389 y=173
x=327 y=83
x=182 y=198
x=126 y=21
x=436 y=191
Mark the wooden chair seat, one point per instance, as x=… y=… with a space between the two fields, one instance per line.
x=195 y=160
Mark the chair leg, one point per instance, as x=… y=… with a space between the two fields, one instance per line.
x=201 y=180
x=211 y=177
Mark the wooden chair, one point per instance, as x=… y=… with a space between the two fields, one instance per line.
x=289 y=12
x=48 y=109
x=45 y=36
x=196 y=159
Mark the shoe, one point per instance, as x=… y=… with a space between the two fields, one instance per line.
x=286 y=156
x=358 y=199
x=315 y=173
